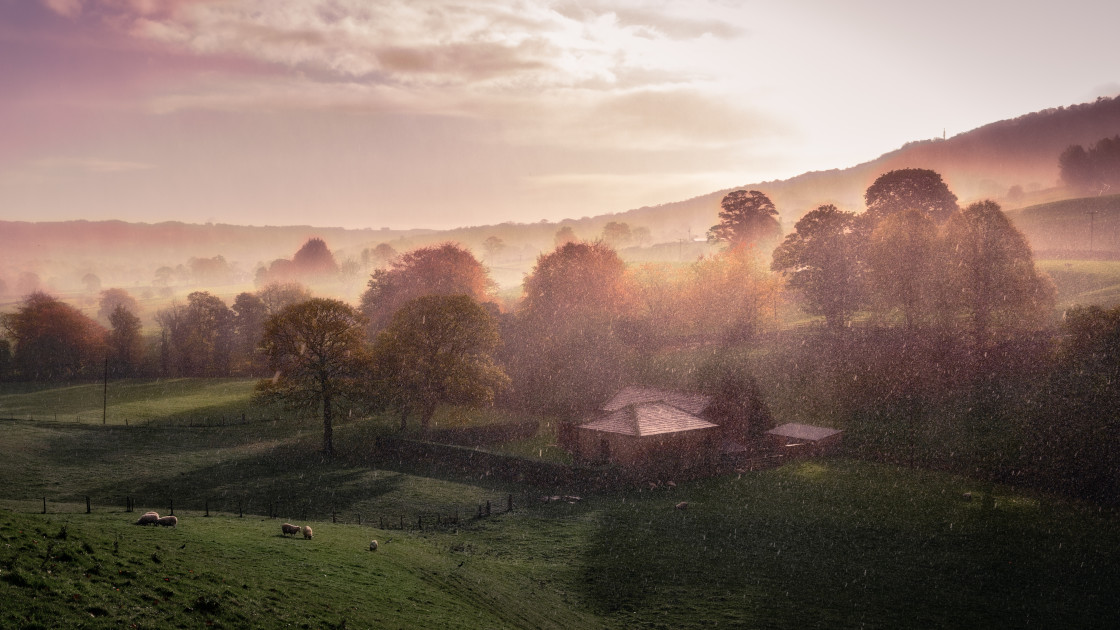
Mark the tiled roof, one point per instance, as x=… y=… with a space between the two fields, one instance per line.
x=803 y=432
x=691 y=403
x=647 y=419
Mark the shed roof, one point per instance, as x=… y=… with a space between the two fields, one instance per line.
x=647 y=419
x=805 y=432
x=634 y=395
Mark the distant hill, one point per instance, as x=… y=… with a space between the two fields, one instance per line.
x=1073 y=228
x=1013 y=161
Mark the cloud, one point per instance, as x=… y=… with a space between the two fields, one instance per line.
x=65 y=8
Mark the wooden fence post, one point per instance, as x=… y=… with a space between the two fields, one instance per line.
x=172 y=507
x=207 y=504
x=44 y=505
x=359 y=518
x=487 y=507
x=509 y=506
x=419 y=521
x=87 y=505
x=402 y=522
x=240 y=514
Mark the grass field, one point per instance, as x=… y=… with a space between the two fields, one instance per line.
x=832 y=543
x=812 y=544
x=138 y=401
x=1084 y=281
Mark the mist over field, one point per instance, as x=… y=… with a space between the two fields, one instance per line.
x=462 y=314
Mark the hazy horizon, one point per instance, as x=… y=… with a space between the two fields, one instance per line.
x=441 y=115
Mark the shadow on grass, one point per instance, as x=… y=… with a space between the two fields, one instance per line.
x=289 y=479
x=783 y=549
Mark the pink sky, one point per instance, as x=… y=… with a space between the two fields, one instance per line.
x=423 y=113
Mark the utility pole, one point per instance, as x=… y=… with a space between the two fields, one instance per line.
x=105 y=393
x=1092 y=221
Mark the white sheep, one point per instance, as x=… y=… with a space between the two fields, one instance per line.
x=683 y=505
x=289 y=529
x=373 y=545
x=307 y=532
x=149 y=518
x=167 y=521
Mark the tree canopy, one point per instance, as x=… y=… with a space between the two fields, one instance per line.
x=446 y=269
x=574 y=284
x=438 y=349
x=1092 y=170
x=316 y=348
x=910 y=189
x=991 y=273
x=901 y=266
x=52 y=340
x=821 y=258
x=745 y=217
x=315 y=259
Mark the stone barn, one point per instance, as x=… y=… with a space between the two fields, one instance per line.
x=649 y=431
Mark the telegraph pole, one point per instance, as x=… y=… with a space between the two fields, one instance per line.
x=105 y=393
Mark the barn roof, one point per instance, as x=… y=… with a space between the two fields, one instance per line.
x=644 y=419
x=805 y=432
x=690 y=403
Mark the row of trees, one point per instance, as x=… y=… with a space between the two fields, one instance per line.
x=1094 y=170
x=915 y=254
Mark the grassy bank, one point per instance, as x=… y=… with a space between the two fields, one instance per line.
x=812 y=544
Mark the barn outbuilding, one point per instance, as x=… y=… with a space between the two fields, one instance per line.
x=648 y=430
x=798 y=440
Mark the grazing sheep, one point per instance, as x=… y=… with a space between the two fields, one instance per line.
x=167 y=521
x=683 y=505
x=289 y=529
x=149 y=518
x=307 y=532
x=373 y=545
x=967 y=496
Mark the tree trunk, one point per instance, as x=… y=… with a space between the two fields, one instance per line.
x=426 y=416
x=328 y=431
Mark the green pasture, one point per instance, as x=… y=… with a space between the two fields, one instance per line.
x=138 y=401
x=812 y=544
x=1084 y=282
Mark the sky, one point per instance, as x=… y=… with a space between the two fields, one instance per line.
x=442 y=114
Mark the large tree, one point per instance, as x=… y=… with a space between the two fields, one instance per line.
x=733 y=296
x=315 y=259
x=52 y=340
x=746 y=217
x=111 y=299
x=126 y=345
x=438 y=349
x=821 y=260
x=250 y=313
x=316 y=349
x=198 y=336
x=910 y=189
x=903 y=266
x=565 y=352
x=991 y=272
x=446 y=269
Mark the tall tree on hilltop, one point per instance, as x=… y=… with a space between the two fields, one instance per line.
x=909 y=189
x=446 y=269
x=745 y=217
x=821 y=260
x=315 y=259
x=438 y=349
x=316 y=348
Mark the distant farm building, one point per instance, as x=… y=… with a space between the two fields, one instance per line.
x=648 y=430
x=804 y=439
